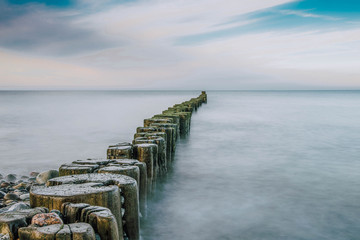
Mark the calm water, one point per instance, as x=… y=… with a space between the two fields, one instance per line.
x=41 y=130
x=257 y=165
x=265 y=165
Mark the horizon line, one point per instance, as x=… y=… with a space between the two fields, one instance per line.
x=172 y=90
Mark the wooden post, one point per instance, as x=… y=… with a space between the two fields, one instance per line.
x=143 y=184
x=120 y=150
x=73 y=169
x=52 y=197
x=129 y=190
x=161 y=164
x=147 y=153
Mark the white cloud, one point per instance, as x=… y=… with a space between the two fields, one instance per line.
x=306 y=14
x=160 y=20
x=146 y=56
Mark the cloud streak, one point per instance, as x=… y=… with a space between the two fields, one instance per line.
x=306 y=14
x=135 y=45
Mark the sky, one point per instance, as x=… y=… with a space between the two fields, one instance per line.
x=180 y=44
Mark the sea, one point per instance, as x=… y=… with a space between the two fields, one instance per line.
x=257 y=165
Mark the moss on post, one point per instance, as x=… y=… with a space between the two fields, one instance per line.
x=175 y=118
x=170 y=130
x=162 y=161
x=120 y=150
x=73 y=169
x=185 y=121
x=149 y=121
x=93 y=161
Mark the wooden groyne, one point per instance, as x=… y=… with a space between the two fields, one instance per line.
x=97 y=198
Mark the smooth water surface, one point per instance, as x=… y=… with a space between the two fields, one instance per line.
x=256 y=166
x=265 y=165
x=41 y=130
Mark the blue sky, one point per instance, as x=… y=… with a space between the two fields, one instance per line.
x=180 y=44
x=51 y=3
x=325 y=15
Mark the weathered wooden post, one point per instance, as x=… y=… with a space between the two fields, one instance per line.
x=185 y=118
x=52 y=197
x=11 y=222
x=93 y=161
x=100 y=218
x=134 y=172
x=143 y=182
x=72 y=169
x=161 y=150
x=131 y=171
x=120 y=150
x=170 y=136
x=204 y=96
x=129 y=190
x=145 y=129
x=183 y=107
x=170 y=130
x=148 y=153
x=175 y=118
x=82 y=231
x=162 y=134
x=149 y=121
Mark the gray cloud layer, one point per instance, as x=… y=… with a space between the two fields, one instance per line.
x=36 y=29
x=133 y=45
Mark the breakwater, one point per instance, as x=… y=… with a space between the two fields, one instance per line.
x=103 y=198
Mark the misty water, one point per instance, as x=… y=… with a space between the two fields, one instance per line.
x=257 y=165
x=41 y=129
